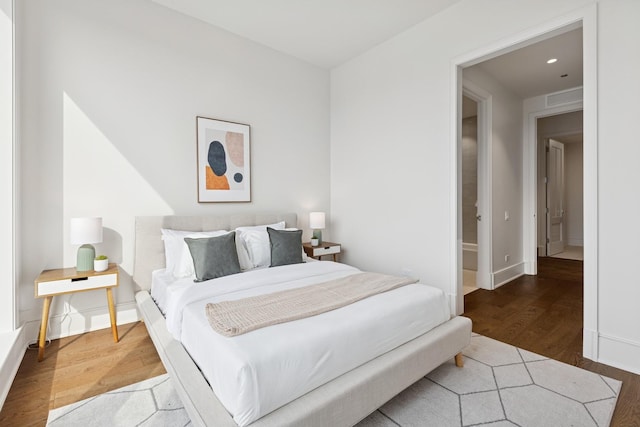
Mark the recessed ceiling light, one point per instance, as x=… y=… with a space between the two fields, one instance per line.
x=552 y=60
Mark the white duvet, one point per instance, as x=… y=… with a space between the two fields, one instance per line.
x=257 y=372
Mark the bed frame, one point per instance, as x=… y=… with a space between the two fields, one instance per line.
x=343 y=401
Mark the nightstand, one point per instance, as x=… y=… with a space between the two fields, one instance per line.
x=67 y=280
x=324 y=248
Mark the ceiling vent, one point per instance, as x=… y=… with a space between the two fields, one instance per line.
x=564 y=97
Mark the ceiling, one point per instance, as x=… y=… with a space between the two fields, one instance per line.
x=526 y=73
x=327 y=33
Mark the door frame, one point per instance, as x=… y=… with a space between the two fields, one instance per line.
x=586 y=18
x=545 y=139
x=530 y=159
x=549 y=143
x=485 y=197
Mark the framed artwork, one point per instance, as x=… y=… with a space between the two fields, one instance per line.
x=224 y=169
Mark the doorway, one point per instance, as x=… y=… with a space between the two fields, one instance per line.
x=470 y=214
x=476 y=177
x=560 y=186
x=585 y=19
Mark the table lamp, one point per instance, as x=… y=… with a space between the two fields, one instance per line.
x=316 y=222
x=85 y=231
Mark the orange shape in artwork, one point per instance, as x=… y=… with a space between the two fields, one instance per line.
x=215 y=182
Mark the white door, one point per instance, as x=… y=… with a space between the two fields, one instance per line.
x=555 y=197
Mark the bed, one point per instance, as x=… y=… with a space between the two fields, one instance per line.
x=342 y=401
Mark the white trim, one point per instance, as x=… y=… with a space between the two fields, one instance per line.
x=79 y=322
x=507 y=274
x=589 y=341
x=12 y=346
x=455 y=190
x=619 y=352
x=8 y=169
x=485 y=183
x=590 y=173
x=12 y=349
x=575 y=242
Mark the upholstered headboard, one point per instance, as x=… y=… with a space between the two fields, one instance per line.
x=149 y=247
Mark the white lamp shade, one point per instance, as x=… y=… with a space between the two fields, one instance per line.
x=316 y=220
x=85 y=230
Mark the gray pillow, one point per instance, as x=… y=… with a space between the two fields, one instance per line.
x=286 y=246
x=214 y=256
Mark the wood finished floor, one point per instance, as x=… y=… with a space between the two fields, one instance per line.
x=540 y=313
x=543 y=314
x=76 y=368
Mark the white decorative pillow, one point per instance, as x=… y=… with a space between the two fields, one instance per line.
x=178 y=259
x=253 y=245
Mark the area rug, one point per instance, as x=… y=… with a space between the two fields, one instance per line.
x=150 y=403
x=500 y=385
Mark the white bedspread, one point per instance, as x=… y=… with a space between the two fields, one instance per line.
x=257 y=372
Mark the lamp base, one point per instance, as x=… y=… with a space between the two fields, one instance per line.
x=86 y=254
x=317 y=234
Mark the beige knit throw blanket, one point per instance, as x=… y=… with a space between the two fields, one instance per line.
x=231 y=318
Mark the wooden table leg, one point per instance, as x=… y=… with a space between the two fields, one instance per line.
x=43 y=327
x=112 y=315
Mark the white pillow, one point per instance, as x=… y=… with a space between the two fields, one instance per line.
x=178 y=259
x=253 y=245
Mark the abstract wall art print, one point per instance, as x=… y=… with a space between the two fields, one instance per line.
x=224 y=169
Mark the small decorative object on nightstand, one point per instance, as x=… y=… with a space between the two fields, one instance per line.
x=325 y=248
x=101 y=263
x=67 y=280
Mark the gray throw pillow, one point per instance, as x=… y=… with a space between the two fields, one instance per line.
x=286 y=246
x=214 y=256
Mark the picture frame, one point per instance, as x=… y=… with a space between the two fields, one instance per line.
x=223 y=161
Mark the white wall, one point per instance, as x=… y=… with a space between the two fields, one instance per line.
x=106 y=83
x=618 y=177
x=390 y=156
x=110 y=94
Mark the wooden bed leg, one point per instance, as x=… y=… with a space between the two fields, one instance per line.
x=459 y=360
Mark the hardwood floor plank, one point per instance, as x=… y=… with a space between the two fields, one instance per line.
x=544 y=314
x=76 y=368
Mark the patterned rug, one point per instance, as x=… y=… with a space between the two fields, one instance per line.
x=500 y=385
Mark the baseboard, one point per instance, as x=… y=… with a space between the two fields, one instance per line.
x=575 y=242
x=619 y=352
x=590 y=344
x=12 y=349
x=506 y=275
x=78 y=322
